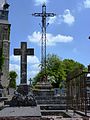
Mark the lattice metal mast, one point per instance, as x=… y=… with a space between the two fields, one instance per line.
x=44 y=15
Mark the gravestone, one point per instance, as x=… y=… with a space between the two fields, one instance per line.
x=23 y=52
x=23 y=96
x=23 y=103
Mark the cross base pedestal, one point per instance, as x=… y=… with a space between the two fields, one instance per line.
x=23 y=89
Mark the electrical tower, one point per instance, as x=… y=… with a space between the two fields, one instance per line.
x=44 y=15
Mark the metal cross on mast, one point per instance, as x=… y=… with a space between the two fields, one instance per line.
x=44 y=15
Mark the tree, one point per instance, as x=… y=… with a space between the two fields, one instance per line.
x=54 y=69
x=59 y=70
x=72 y=68
x=37 y=78
x=12 y=77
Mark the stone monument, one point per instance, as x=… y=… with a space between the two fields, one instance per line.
x=23 y=88
x=23 y=96
x=23 y=103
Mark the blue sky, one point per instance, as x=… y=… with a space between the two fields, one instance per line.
x=67 y=33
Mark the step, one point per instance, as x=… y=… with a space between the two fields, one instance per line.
x=50 y=102
x=53 y=107
x=54 y=113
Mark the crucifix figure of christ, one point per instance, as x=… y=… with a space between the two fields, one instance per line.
x=23 y=52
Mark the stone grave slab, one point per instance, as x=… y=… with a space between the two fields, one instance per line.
x=21 y=112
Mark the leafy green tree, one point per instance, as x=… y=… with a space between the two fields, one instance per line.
x=54 y=69
x=12 y=77
x=59 y=70
x=72 y=68
x=37 y=78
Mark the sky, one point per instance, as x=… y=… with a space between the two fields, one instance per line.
x=67 y=32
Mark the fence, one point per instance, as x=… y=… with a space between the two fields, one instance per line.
x=78 y=93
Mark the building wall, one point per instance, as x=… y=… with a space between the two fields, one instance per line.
x=6 y=48
x=5 y=41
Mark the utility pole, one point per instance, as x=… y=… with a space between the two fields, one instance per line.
x=44 y=15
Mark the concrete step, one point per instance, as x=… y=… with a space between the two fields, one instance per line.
x=53 y=107
x=50 y=102
x=54 y=113
x=50 y=97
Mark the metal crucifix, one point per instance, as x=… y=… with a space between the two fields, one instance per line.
x=44 y=15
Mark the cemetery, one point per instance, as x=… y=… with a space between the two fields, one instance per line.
x=41 y=101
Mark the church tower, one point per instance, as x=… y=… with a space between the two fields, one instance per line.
x=5 y=42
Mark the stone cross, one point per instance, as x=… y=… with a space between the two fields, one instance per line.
x=23 y=52
x=30 y=80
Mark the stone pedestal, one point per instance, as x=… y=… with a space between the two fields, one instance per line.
x=43 y=85
x=45 y=97
x=42 y=91
x=23 y=89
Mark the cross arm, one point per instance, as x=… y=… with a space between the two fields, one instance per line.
x=50 y=14
x=37 y=14
x=30 y=51
x=17 y=52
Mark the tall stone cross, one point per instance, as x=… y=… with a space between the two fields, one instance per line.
x=23 y=52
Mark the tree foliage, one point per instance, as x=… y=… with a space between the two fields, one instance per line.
x=73 y=68
x=12 y=77
x=55 y=70
x=59 y=70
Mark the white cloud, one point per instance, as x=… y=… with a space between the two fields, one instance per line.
x=40 y=2
x=34 y=73
x=51 y=39
x=14 y=67
x=30 y=59
x=66 y=17
x=86 y=3
x=36 y=67
x=14 y=58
